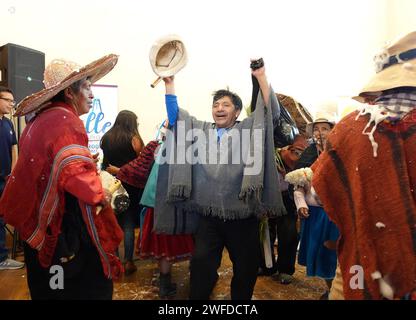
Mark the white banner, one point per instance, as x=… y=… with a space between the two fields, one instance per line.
x=101 y=116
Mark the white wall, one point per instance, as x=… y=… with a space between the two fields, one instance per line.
x=401 y=17
x=313 y=50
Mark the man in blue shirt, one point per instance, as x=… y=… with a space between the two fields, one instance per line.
x=8 y=157
x=226 y=198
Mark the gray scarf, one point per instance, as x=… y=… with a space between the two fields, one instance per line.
x=227 y=191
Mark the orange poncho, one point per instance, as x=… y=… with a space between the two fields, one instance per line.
x=372 y=201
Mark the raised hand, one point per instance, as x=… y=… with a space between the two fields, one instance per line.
x=169 y=80
x=260 y=72
x=170 y=84
x=260 y=75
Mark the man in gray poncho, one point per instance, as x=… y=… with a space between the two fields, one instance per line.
x=216 y=180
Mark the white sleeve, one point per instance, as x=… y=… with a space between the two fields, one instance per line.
x=299 y=197
x=315 y=198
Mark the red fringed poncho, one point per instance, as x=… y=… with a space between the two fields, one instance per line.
x=54 y=159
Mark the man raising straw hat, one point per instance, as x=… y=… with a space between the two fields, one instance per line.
x=52 y=194
x=366 y=181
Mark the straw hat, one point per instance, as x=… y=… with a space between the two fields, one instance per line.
x=168 y=56
x=395 y=67
x=59 y=75
x=325 y=114
x=298 y=112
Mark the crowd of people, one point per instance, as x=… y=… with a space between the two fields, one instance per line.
x=339 y=197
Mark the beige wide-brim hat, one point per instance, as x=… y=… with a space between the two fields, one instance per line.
x=309 y=126
x=168 y=55
x=396 y=67
x=59 y=75
x=325 y=114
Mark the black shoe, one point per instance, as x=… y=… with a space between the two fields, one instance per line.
x=129 y=268
x=265 y=272
x=166 y=287
x=284 y=278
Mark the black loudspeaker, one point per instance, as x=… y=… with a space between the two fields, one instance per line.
x=21 y=70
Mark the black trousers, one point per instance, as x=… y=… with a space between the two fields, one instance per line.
x=241 y=238
x=84 y=277
x=284 y=229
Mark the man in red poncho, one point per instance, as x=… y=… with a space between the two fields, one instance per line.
x=366 y=181
x=52 y=194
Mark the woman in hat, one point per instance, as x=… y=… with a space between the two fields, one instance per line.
x=318 y=234
x=166 y=249
x=122 y=144
x=58 y=189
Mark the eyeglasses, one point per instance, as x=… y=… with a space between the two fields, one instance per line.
x=12 y=102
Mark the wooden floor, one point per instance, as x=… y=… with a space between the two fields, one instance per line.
x=141 y=284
